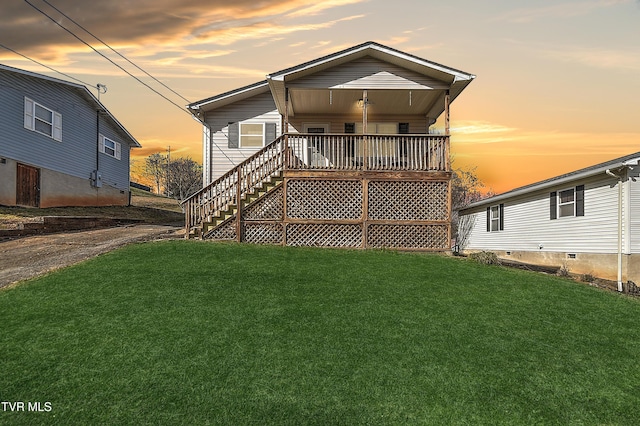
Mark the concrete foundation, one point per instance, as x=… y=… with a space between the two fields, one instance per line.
x=598 y=265
x=60 y=190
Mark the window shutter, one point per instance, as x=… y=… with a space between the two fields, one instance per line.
x=349 y=127
x=269 y=133
x=234 y=135
x=580 y=200
x=553 y=205
x=118 y=150
x=28 y=114
x=403 y=128
x=488 y=219
x=57 y=126
x=502 y=217
x=101 y=143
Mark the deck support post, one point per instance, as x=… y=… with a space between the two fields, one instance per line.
x=365 y=212
x=239 y=206
x=365 y=148
x=447 y=117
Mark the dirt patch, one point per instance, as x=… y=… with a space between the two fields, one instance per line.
x=30 y=257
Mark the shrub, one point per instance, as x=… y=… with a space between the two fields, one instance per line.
x=485 y=258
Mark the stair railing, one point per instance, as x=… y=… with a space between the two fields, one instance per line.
x=222 y=193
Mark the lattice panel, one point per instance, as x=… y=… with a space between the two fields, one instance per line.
x=262 y=233
x=226 y=231
x=324 y=199
x=324 y=235
x=408 y=236
x=270 y=206
x=397 y=200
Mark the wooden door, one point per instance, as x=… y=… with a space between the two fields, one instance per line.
x=28 y=186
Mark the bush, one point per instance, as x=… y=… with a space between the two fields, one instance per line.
x=485 y=258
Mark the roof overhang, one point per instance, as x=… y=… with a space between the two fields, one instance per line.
x=619 y=164
x=85 y=93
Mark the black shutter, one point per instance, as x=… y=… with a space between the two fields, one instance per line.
x=270 y=133
x=234 y=135
x=349 y=127
x=488 y=219
x=502 y=217
x=403 y=128
x=553 y=205
x=580 y=200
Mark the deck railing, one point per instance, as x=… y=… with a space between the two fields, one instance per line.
x=369 y=152
x=340 y=152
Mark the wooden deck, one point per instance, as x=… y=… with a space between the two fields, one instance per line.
x=333 y=190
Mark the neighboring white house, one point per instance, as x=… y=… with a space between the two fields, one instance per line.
x=587 y=221
x=59 y=146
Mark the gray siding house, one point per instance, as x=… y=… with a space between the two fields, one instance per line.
x=587 y=221
x=59 y=146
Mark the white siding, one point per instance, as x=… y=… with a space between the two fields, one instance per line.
x=527 y=225
x=635 y=210
x=367 y=73
x=221 y=158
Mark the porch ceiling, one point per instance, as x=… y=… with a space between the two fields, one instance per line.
x=349 y=101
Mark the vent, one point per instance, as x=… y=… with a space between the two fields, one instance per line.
x=571 y=255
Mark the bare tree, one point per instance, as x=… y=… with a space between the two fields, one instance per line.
x=155 y=169
x=466 y=188
x=183 y=178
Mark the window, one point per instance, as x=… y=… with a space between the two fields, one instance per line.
x=251 y=134
x=567 y=203
x=110 y=147
x=495 y=218
x=378 y=128
x=42 y=119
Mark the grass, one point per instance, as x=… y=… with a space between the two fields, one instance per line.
x=184 y=332
x=145 y=207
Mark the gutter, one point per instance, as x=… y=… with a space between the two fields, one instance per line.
x=619 y=178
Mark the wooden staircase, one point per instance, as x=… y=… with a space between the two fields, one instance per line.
x=217 y=203
x=250 y=198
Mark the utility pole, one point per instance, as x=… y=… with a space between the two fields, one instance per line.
x=168 y=169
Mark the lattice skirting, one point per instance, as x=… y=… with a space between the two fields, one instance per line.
x=262 y=232
x=226 y=231
x=270 y=206
x=433 y=237
x=324 y=235
x=324 y=199
x=402 y=200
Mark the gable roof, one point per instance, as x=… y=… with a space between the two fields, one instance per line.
x=456 y=79
x=601 y=168
x=84 y=93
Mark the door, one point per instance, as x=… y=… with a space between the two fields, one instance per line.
x=28 y=186
x=317 y=150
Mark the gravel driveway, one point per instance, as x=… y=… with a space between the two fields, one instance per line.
x=25 y=258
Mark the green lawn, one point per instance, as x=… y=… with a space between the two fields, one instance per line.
x=196 y=333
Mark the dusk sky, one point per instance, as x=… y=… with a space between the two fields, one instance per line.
x=557 y=87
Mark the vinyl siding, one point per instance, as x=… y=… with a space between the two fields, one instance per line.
x=367 y=73
x=75 y=155
x=219 y=158
x=417 y=124
x=527 y=225
x=635 y=210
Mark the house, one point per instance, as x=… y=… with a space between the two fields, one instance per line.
x=587 y=221
x=59 y=146
x=334 y=152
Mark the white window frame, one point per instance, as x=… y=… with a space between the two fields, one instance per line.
x=240 y=134
x=30 y=119
x=117 y=147
x=494 y=218
x=560 y=204
x=372 y=127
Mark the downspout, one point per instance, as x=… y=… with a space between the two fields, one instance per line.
x=619 y=177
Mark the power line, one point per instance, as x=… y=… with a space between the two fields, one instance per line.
x=106 y=57
x=48 y=67
x=116 y=52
